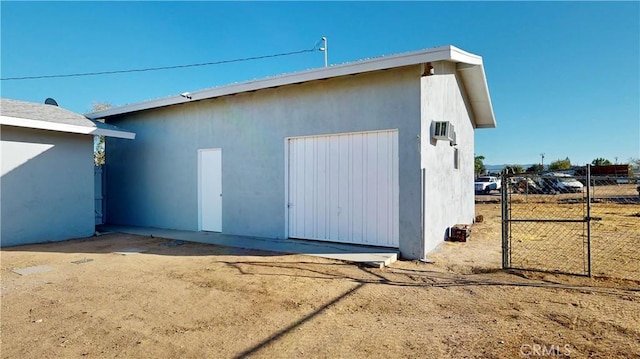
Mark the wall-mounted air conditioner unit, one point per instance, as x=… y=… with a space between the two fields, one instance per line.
x=443 y=130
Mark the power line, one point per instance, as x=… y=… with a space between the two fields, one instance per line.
x=159 y=68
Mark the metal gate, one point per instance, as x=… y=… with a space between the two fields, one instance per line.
x=571 y=223
x=99 y=184
x=543 y=229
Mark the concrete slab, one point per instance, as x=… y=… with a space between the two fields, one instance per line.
x=33 y=270
x=175 y=243
x=371 y=256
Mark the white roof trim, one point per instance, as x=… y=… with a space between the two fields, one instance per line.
x=62 y=127
x=476 y=81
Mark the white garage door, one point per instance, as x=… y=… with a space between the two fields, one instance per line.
x=344 y=188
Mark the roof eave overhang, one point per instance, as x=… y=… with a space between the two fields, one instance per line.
x=61 y=127
x=475 y=83
x=472 y=72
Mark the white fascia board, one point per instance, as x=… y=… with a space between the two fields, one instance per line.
x=487 y=107
x=115 y=133
x=475 y=82
x=61 y=127
x=444 y=53
x=464 y=57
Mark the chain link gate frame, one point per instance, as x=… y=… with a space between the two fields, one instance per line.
x=542 y=232
x=591 y=229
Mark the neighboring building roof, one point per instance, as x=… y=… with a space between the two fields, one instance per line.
x=470 y=69
x=54 y=118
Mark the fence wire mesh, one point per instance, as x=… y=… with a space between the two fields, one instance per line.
x=546 y=223
x=615 y=234
x=568 y=223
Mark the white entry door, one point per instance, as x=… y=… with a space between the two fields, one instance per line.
x=210 y=189
x=344 y=188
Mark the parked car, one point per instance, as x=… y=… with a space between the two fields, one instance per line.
x=526 y=185
x=487 y=184
x=564 y=183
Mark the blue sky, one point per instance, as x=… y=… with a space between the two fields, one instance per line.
x=564 y=77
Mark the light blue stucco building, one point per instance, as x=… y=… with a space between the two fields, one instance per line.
x=47 y=172
x=376 y=152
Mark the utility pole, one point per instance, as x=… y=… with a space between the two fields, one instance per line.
x=324 y=49
x=542 y=155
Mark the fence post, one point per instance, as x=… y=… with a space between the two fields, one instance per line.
x=589 y=220
x=505 y=224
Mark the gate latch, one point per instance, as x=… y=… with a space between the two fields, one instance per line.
x=593 y=218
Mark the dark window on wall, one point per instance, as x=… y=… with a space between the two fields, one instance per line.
x=456 y=159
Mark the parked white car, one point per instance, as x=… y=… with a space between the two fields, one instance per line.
x=564 y=183
x=487 y=184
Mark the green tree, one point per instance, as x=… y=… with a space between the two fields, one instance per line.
x=559 y=165
x=479 y=165
x=98 y=141
x=513 y=169
x=537 y=168
x=601 y=162
x=98 y=150
x=634 y=163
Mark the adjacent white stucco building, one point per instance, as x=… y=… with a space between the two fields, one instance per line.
x=348 y=153
x=47 y=182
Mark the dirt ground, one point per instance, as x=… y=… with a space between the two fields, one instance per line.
x=195 y=301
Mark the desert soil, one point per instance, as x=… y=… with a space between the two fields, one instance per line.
x=196 y=300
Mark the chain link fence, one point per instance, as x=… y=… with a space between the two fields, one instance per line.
x=572 y=223
x=615 y=231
